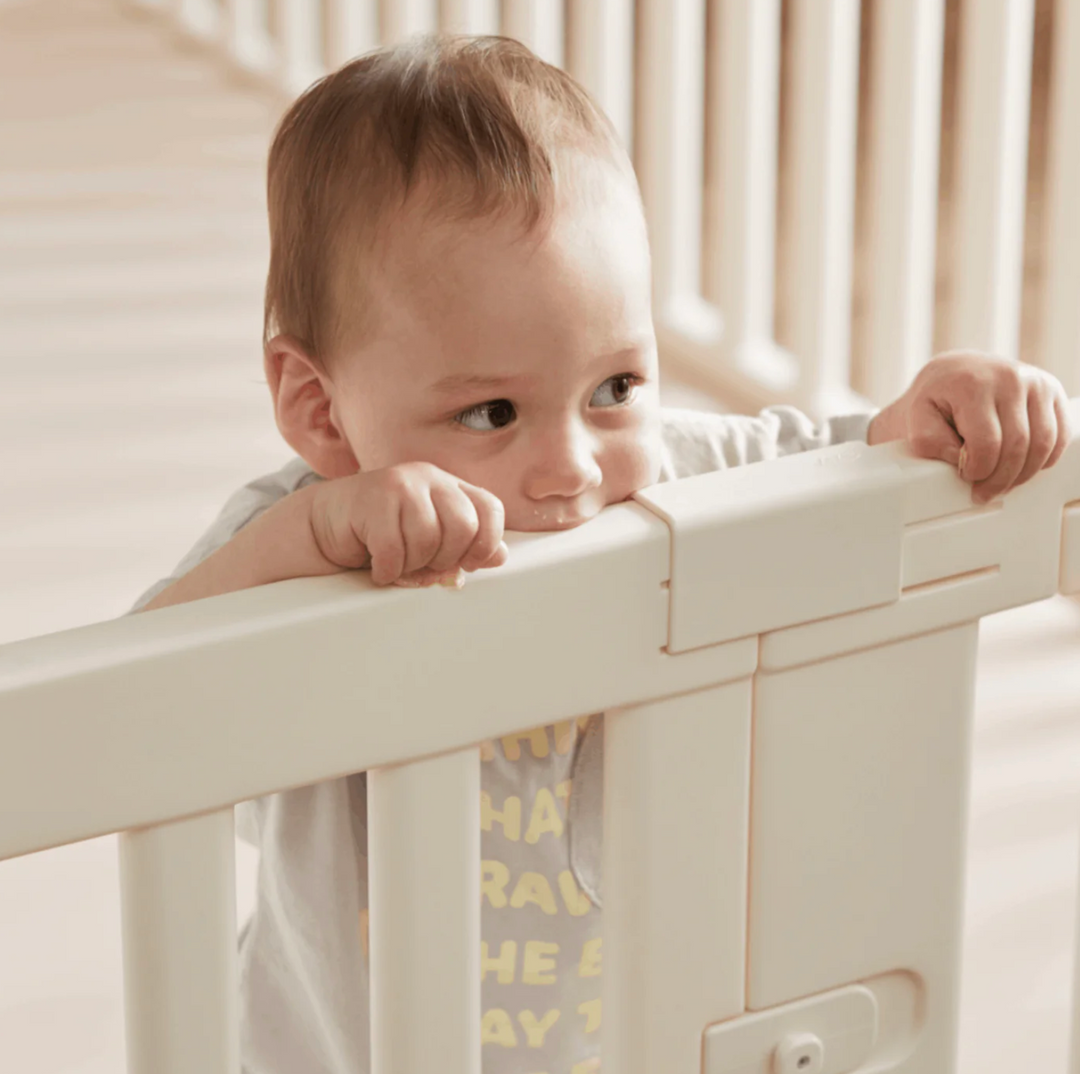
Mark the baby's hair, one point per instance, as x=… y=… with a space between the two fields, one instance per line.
x=480 y=123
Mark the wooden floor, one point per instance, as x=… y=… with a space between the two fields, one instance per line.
x=132 y=257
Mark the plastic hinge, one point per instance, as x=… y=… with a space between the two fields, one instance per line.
x=742 y=540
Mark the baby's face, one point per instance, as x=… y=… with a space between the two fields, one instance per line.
x=526 y=366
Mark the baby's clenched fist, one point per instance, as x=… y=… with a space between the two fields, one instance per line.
x=411 y=522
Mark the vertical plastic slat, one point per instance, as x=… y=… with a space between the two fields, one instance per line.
x=353 y=29
x=744 y=49
x=470 y=16
x=823 y=114
x=992 y=127
x=424 y=891
x=178 y=907
x=538 y=24
x=600 y=55
x=202 y=18
x=247 y=36
x=904 y=130
x=299 y=25
x=860 y=791
x=668 y=157
x=1062 y=347
x=676 y=837
x=403 y=18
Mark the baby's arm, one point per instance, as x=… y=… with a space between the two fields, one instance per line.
x=279 y=544
x=397 y=521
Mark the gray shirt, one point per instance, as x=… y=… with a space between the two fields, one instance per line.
x=303 y=953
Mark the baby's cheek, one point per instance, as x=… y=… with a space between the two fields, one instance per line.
x=635 y=466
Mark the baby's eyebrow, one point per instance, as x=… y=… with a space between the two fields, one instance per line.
x=457 y=382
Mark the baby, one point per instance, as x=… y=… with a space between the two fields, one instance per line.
x=459 y=341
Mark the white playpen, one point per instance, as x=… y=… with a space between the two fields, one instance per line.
x=786 y=746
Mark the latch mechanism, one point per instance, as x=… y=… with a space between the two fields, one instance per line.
x=833 y=1033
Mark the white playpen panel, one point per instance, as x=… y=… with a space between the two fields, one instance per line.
x=784 y=804
x=676 y=905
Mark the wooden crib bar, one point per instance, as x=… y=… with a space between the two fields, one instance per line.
x=825 y=78
x=669 y=154
x=246 y=35
x=538 y=24
x=905 y=131
x=470 y=16
x=740 y=203
x=1061 y=353
x=600 y=55
x=299 y=25
x=994 y=101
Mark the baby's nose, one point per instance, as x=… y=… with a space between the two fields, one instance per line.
x=566 y=467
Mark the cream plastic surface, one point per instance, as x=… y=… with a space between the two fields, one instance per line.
x=784 y=800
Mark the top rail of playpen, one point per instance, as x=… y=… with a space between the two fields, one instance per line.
x=191 y=708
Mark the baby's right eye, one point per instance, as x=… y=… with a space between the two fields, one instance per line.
x=500 y=412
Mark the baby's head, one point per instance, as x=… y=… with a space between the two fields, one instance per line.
x=459 y=274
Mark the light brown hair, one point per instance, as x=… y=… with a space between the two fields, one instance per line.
x=481 y=121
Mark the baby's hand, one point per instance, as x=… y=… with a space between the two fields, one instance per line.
x=999 y=422
x=412 y=523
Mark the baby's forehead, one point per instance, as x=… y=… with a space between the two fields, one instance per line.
x=495 y=283
x=594 y=224
x=451 y=283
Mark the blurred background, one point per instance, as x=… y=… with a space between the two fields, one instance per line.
x=836 y=190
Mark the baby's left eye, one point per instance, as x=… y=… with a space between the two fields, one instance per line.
x=619 y=388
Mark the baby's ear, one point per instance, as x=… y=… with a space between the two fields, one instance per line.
x=302 y=394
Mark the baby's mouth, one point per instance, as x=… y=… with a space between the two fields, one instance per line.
x=539 y=524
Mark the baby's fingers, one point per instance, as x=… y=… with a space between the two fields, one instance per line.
x=460 y=525
x=421 y=529
x=487 y=548
x=387 y=549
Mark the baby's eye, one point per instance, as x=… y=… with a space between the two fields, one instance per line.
x=499 y=413
x=618 y=387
